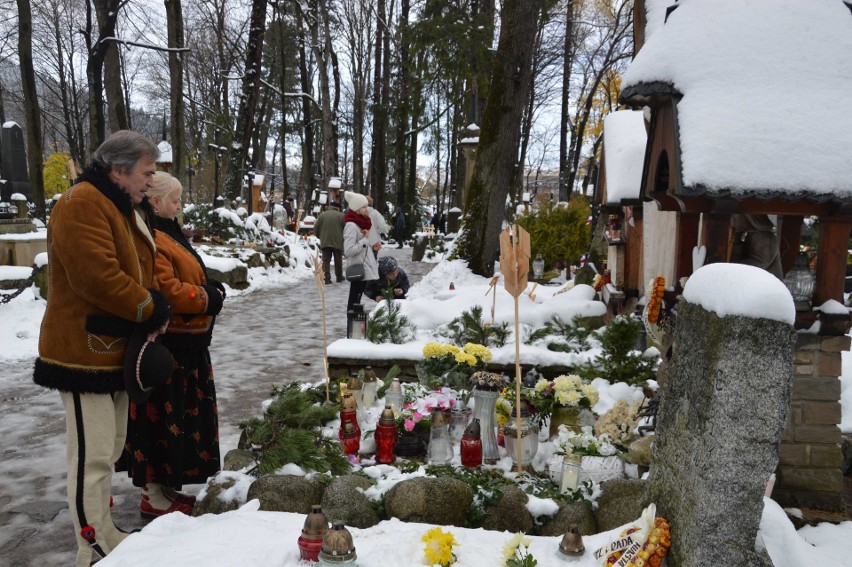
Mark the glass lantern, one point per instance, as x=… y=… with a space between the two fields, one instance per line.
x=337 y=547
x=394 y=397
x=538 y=267
x=440 y=447
x=356 y=322
x=458 y=421
x=570 y=478
x=801 y=282
x=529 y=438
x=370 y=387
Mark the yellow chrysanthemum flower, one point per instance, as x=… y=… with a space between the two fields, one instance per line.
x=590 y=392
x=575 y=381
x=478 y=351
x=568 y=398
x=439 y=547
x=562 y=384
x=432 y=350
x=542 y=385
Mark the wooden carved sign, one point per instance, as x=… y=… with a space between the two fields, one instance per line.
x=515 y=259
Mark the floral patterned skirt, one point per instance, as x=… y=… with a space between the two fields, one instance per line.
x=173 y=438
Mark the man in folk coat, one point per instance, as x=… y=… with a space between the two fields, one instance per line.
x=101 y=289
x=329 y=229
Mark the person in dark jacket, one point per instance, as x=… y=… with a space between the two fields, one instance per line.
x=329 y=229
x=101 y=251
x=391 y=277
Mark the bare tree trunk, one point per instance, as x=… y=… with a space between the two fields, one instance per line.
x=307 y=117
x=65 y=96
x=238 y=151
x=565 y=116
x=119 y=117
x=497 y=151
x=403 y=107
x=516 y=190
x=32 y=112
x=378 y=164
x=174 y=23
x=95 y=69
x=323 y=53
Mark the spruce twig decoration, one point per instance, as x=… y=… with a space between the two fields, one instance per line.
x=515 y=266
x=319 y=275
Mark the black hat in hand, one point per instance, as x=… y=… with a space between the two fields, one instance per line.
x=146 y=365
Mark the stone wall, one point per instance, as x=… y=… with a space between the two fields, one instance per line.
x=809 y=473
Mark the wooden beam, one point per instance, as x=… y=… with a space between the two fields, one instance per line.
x=789 y=238
x=716 y=236
x=687 y=239
x=831 y=259
x=635 y=236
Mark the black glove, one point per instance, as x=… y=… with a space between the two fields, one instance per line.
x=161 y=315
x=214 y=300
x=218 y=285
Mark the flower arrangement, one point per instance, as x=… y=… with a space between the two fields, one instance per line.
x=516 y=552
x=419 y=404
x=483 y=380
x=566 y=391
x=620 y=423
x=439 y=547
x=445 y=364
x=584 y=443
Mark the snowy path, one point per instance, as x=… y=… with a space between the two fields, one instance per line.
x=271 y=336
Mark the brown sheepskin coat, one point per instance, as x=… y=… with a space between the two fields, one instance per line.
x=101 y=287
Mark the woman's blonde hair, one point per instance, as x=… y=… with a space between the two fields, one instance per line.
x=164 y=185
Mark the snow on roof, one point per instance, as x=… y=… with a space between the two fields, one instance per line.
x=655 y=15
x=334 y=183
x=764 y=86
x=624 y=153
x=165 y=152
x=258 y=179
x=9 y=124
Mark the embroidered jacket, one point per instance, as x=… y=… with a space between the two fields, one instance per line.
x=182 y=278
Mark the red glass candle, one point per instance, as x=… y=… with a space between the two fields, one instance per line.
x=471 y=446
x=348 y=417
x=350 y=439
x=386 y=434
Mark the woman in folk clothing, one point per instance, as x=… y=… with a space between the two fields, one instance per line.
x=356 y=244
x=173 y=438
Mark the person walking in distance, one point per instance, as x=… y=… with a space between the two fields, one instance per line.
x=329 y=229
x=102 y=289
x=356 y=244
x=173 y=436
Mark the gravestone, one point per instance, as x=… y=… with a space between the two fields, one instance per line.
x=14 y=162
x=722 y=413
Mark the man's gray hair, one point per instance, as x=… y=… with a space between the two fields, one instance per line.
x=123 y=149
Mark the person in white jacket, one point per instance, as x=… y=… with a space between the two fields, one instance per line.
x=379 y=228
x=356 y=244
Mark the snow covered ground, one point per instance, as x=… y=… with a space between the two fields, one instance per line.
x=31 y=428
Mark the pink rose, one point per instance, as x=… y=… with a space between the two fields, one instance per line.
x=417 y=416
x=408 y=425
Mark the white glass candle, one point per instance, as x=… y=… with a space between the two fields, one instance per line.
x=570 y=473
